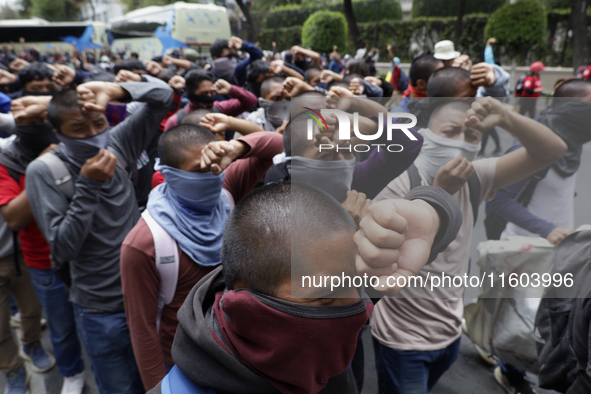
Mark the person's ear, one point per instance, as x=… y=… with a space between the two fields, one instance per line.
x=421 y=85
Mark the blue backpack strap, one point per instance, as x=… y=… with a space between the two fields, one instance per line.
x=176 y=382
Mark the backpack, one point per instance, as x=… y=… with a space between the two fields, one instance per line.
x=519 y=85
x=473 y=186
x=167 y=262
x=555 y=315
x=494 y=224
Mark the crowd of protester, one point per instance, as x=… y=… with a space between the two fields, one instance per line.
x=148 y=213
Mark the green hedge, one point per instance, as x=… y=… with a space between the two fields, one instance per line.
x=442 y=8
x=323 y=29
x=365 y=11
x=400 y=34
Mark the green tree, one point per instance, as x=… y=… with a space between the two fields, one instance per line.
x=450 y=7
x=52 y=10
x=323 y=29
x=519 y=26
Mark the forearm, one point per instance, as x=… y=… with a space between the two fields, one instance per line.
x=505 y=205
x=290 y=72
x=17 y=213
x=538 y=140
x=244 y=127
x=448 y=215
x=181 y=63
x=366 y=125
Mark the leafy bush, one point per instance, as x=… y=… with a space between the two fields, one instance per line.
x=434 y=8
x=292 y=15
x=519 y=26
x=323 y=29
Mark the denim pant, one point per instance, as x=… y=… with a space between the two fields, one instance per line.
x=107 y=342
x=409 y=371
x=53 y=295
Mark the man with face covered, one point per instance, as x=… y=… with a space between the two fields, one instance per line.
x=36 y=79
x=88 y=227
x=225 y=59
x=201 y=90
x=337 y=172
x=274 y=107
x=411 y=358
x=35 y=135
x=204 y=178
x=248 y=326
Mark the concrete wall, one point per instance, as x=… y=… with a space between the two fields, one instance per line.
x=549 y=77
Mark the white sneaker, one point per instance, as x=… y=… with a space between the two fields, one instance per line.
x=73 y=384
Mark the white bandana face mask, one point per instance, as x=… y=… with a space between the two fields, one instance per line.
x=437 y=151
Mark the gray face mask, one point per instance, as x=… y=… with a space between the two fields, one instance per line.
x=334 y=177
x=78 y=150
x=276 y=112
x=224 y=67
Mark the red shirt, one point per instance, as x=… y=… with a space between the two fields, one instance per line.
x=587 y=72
x=36 y=251
x=531 y=82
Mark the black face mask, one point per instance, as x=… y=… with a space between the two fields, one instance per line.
x=51 y=93
x=200 y=99
x=35 y=138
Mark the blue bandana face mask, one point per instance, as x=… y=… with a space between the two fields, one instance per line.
x=197 y=193
x=78 y=150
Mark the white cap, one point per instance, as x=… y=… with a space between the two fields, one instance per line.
x=105 y=59
x=444 y=50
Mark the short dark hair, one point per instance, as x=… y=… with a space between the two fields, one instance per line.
x=195 y=77
x=256 y=68
x=134 y=54
x=195 y=116
x=218 y=46
x=446 y=82
x=129 y=65
x=157 y=59
x=422 y=67
x=311 y=72
x=270 y=222
x=64 y=101
x=36 y=71
x=173 y=144
x=267 y=83
x=573 y=88
x=357 y=66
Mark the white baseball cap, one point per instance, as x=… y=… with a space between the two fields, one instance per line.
x=445 y=50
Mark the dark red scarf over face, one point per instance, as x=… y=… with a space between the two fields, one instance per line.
x=297 y=348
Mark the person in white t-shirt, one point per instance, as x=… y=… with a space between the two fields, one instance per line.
x=417 y=333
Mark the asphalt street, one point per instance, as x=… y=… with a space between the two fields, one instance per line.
x=470 y=374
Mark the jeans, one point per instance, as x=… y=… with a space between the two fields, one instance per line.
x=53 y=295
x=409 y=371
x=511 y=372
x=107 y=342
